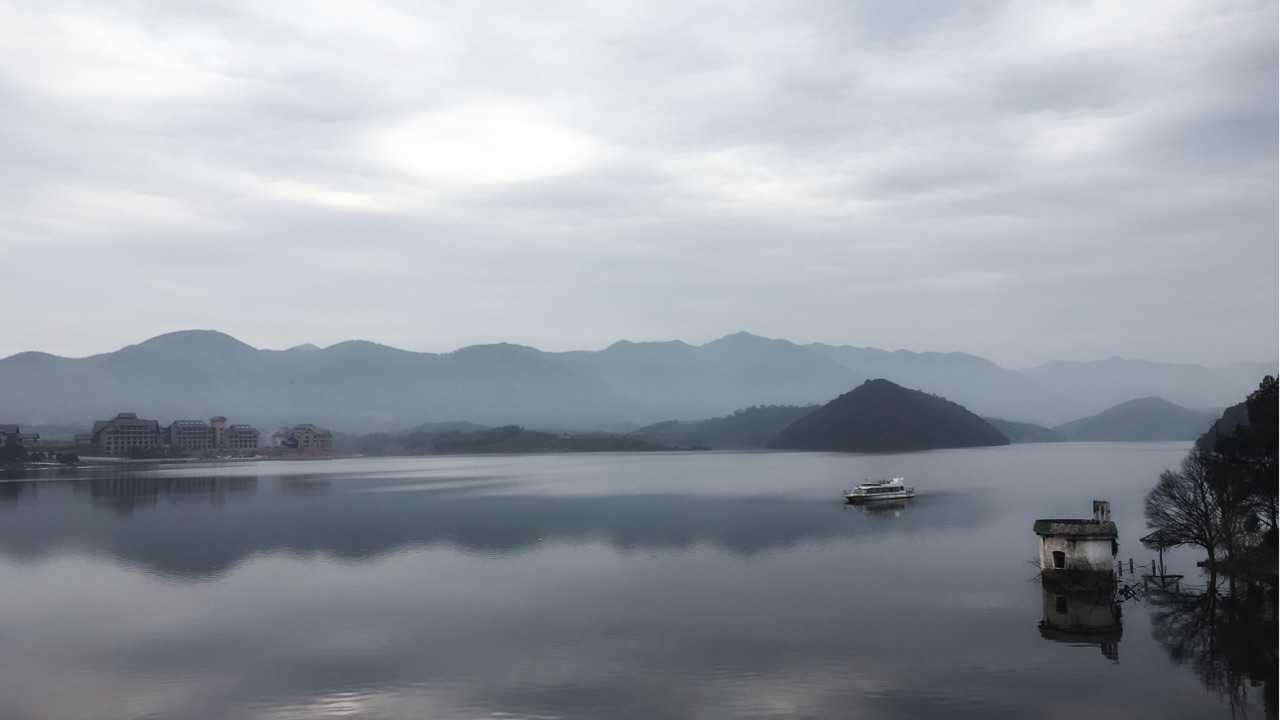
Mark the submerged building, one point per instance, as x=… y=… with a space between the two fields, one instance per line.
x=1079 y=552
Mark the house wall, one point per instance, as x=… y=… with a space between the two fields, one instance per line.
x=1082 y=554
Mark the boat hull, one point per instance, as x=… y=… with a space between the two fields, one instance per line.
x=860 y=498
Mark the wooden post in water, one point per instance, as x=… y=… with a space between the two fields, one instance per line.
x=1130 y=566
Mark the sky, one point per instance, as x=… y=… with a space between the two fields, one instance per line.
x=1024 y=181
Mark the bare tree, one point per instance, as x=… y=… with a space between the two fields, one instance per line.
x=1184 y=507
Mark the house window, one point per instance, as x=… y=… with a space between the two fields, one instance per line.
x=1059 y=560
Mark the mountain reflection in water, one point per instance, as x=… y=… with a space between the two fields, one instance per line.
x=307 y=515
x=710 y=585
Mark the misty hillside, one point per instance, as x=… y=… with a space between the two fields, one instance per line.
x=1149 y=418
x=1025 y=432
x=360 y=386
x=1086 y=388
x=746 y=428
x=881 y=416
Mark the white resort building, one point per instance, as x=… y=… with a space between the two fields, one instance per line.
x=303 y=437
x=127 y=434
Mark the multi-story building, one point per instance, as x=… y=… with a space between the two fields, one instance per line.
x=240 y=437
x=217 y=427
x=303 y=437
x=190 y=435
x=13 y=435
x=126 y=434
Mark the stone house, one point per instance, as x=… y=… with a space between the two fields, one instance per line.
x=1079 y=551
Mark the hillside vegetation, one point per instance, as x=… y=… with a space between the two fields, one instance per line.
x=751 y=427
x=881 y=416
x=1025 y=432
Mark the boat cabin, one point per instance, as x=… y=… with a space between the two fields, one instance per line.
x=1079 y=551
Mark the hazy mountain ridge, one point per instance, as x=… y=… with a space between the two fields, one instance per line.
x=363 y=386
x=972 y=381
x=1087 y=388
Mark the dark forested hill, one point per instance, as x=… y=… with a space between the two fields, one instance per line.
x=1233 y=418
x=1149 y=418
x=881 y=416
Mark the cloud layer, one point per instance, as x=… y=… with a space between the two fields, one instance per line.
x=1023 y=181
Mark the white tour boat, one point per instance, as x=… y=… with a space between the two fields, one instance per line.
x=891 y=489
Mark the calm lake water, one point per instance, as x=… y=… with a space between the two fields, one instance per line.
x=672 y=585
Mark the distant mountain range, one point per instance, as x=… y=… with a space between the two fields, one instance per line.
x=881 y=416
x=361 y=386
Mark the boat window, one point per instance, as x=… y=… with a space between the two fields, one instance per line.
x=1062 y=604
x=1059 y=559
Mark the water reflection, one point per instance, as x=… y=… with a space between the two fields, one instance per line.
x=884 y=509
x=127 y=493
x=152 y=524
x=1083 y=620
x=697 y=585
x=1229 y=640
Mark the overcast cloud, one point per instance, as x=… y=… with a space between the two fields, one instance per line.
x=1024 y=181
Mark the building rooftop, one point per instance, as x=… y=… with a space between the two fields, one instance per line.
x=1076 y=528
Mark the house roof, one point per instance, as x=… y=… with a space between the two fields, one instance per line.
x=1076 y=528
x=1156 y=540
